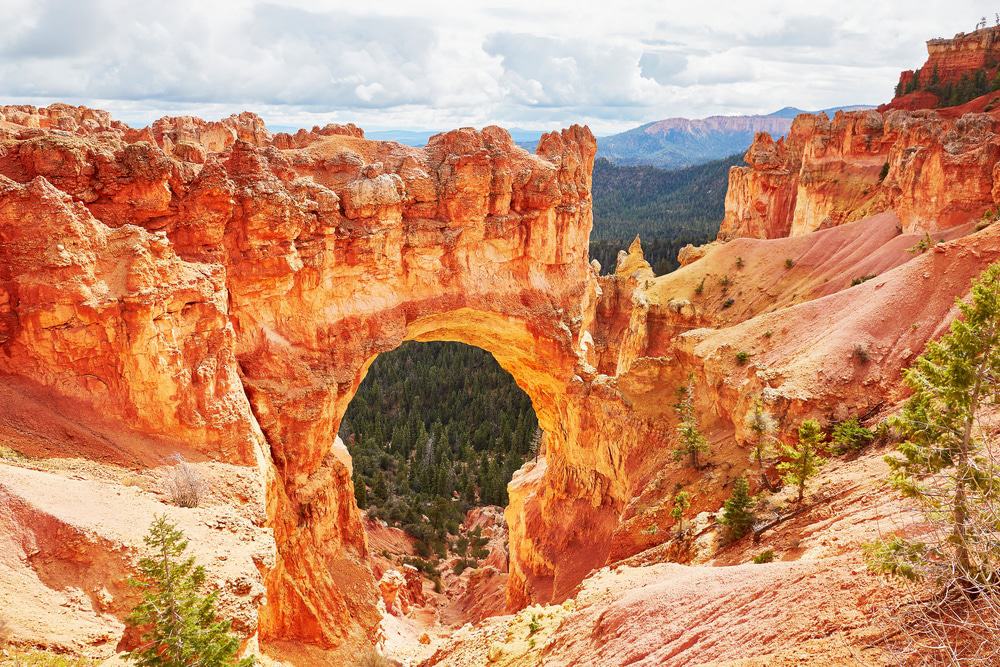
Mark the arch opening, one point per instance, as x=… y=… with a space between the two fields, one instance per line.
x=435 y=432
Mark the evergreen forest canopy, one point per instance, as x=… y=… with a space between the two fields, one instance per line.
x=434 y=430
x=667 y=209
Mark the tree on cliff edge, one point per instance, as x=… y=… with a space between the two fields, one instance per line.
x=945 y=462
x=691 y=443
x=179 y=624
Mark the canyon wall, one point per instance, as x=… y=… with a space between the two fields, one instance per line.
x=934 y=170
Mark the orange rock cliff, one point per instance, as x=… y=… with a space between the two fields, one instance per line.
x=961 y=55
x=211 y=289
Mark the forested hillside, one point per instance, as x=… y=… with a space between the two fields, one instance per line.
x=436 y=428
x=667 y=209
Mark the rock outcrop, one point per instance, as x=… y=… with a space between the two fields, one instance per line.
x=934 y=170
x=949 y=61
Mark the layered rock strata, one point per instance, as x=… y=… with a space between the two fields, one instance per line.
x=934 y=170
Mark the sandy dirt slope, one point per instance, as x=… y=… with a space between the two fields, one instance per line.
x=815 y=604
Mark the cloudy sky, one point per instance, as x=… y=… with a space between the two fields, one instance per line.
x=427 y=64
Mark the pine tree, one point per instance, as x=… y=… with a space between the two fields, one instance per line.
x=690 y=442
x=761 y=428
x=361 y=493
x=737 y=512
x=804 y=461
x=179 y=623
x=942 y=463
x=535 y=446
x=682 y=502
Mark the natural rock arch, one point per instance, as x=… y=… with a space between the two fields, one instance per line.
x=225 y=290
x=503 y=267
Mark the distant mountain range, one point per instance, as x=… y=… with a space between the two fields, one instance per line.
x=674 y=143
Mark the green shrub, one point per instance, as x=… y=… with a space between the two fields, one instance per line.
x=727 y=303
x=742 y=357
x=850 y=436
x=803 y=461
x=789 y=263
x=764 y=557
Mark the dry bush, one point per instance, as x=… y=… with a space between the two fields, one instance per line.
x=372 y=658
x=185 y=484
x=926 y=629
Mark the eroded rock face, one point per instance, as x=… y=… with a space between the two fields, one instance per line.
x=948 y=61
x=935 y=170
x=208 y=283
x=224 y=291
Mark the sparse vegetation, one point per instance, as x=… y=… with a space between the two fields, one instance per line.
x=768 y=333
x=861 y=279
x=534 y=625
x=923 y=245
x=691 y=444
x=178 y=620
x=884 y=172
x=701 y=287
x=737 y=512
x=725 y=282
x=988 y=218
x=728 y=303
x=372 y=658
x=35 y=658
x=850 y=436
x=742 y=357
x=186 y=485
x=428 y=568
x=766 y=556
x=789 y=262
x=740 y=263
x=954 y=93
x=804 y=460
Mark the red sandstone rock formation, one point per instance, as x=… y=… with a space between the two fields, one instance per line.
x=950 y=60
x=211 y=289
x=935 y=170
x=207 y=285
